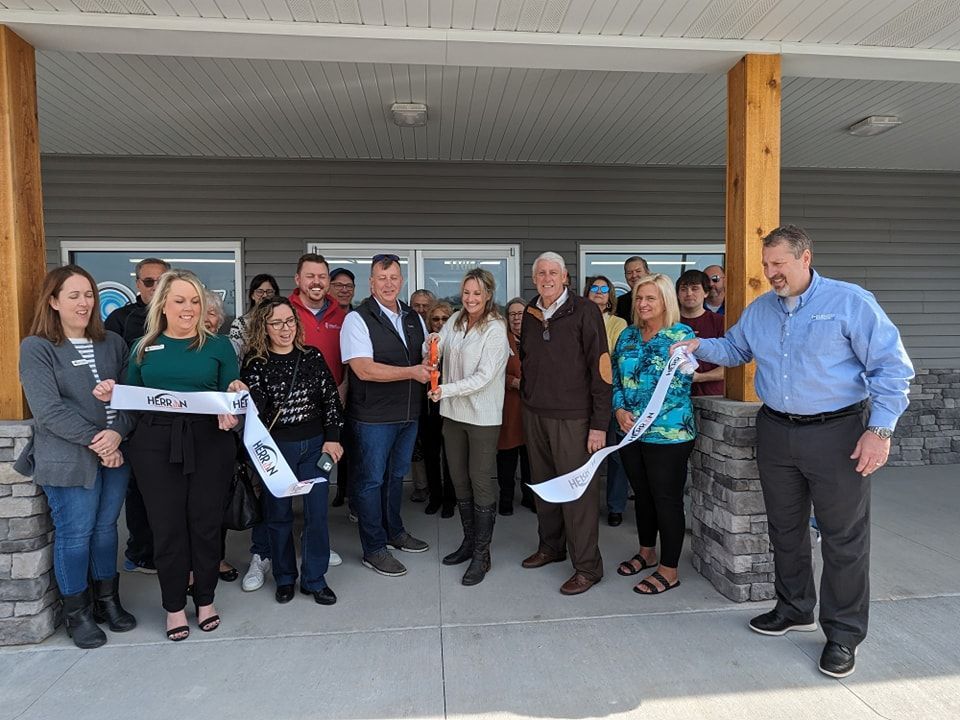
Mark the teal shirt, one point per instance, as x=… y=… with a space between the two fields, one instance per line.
x=636 y=368
x=173 y=365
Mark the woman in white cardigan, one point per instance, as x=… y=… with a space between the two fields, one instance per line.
x=474 y=348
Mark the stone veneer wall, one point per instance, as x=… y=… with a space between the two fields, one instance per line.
x=729 y=524
x=29 y=607
x=929 y=431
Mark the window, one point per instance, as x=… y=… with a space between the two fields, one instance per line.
x=671 y=260
x=438 y=268
x=112 y=264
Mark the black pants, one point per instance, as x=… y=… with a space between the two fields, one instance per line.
x=507 y=473
x=800 y=463
x=439 y=482
x=658 y=473
x=184 y=464
x=140 y=540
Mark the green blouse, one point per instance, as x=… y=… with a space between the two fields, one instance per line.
x=171 y=364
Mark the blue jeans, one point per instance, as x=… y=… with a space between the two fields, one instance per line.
x=382 y=457
x=260 y=538
x=301 y=456
x=617 y=483
x=85 y=524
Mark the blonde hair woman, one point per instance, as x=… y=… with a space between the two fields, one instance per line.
x=656 y=464
x=474 y=348
x=184 y=462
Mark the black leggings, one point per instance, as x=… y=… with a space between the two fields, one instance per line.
x=658 y=473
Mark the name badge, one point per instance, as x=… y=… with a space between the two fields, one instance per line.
x=151 y=348
x=79 y=363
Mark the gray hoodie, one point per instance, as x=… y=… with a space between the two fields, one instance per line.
x=59 y=390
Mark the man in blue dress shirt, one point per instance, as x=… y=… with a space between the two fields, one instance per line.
x=834 y=378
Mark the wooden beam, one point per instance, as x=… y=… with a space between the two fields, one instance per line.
x=22 y=252
x=753 y=190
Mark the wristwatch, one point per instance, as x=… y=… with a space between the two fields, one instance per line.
x=881 y=432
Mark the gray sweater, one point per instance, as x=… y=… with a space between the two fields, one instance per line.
x=59 y=390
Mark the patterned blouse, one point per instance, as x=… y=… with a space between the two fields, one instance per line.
x=636 y=368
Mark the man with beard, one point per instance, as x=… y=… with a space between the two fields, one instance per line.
x=834 y=378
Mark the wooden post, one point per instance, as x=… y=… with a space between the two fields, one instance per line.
x=22 y=252
x=753 y=190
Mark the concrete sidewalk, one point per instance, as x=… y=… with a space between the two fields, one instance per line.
x=424 y=646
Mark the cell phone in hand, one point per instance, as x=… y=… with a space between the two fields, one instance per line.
x=325 y=464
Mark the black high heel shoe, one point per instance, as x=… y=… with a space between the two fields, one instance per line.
x=208 y=625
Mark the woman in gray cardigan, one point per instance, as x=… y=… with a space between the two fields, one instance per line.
x=74 y=454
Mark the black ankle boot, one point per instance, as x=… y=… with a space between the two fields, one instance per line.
x=78 y=616
x=107 y=607
x=485 y=516
x=465 y=551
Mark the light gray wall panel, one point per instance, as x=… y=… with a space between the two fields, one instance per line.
x=893 y=233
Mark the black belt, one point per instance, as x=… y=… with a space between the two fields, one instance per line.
x=854 y=409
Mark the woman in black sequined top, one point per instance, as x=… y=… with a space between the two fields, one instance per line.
x=297 y=399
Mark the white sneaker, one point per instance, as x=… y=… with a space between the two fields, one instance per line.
x=335 y=558
x=256 y=574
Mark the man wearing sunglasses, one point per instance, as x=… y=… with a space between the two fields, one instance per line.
x=128 y=321
x=382 y=344
x=718 y=289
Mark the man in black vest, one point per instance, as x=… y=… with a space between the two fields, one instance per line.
x=382 y=344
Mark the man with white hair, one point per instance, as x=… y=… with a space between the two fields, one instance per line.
x=566 y=391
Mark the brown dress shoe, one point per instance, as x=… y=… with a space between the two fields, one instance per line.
x=578 y=583
x=540 y=558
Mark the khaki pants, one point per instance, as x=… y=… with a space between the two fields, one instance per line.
x=555 y=447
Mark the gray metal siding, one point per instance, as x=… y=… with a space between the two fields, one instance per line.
x=893 y=233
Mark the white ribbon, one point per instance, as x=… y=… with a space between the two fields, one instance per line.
x=267 y=458
x=570 y=486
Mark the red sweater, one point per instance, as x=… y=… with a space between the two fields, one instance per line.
x=322 y=331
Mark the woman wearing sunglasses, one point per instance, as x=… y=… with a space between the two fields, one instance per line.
x=600 y=290
x=297 y=398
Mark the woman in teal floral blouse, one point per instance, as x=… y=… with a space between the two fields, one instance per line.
x=656 y=464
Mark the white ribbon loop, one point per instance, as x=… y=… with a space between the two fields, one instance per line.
x=266 y=456
x=570 y=486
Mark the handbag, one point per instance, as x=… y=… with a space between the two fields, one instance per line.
x=242 y=509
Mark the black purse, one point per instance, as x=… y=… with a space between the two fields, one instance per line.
x=242 y=509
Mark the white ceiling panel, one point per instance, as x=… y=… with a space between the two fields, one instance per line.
x=181 y=106
x=881 y=23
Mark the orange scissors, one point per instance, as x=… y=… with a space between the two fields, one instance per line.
x=434 y=359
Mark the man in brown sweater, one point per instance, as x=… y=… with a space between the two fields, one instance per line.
x=565 y=388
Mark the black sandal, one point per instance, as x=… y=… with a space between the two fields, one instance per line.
x=182 y=629
x=631 y=570
x=653 y=589
x=208 y=625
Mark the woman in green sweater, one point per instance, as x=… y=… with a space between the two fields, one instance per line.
x=183 y=462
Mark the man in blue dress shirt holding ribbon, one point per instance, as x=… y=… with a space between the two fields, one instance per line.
x=834 y=378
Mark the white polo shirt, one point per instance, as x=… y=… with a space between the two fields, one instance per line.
x=355 y=335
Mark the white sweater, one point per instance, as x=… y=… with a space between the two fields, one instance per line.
x=474 y=366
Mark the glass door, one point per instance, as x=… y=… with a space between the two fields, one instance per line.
x=437 y=268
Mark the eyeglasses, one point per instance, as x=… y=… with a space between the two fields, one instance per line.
x=290 y=322
x=599 y=288
x=439 y=318
x=342 y=285
x=378 y=259
x=515 y=314
x=149 y=282
x=263 y=293
x=714 y=278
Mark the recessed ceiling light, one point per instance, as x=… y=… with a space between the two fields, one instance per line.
x=874 y=125
x=409 y=114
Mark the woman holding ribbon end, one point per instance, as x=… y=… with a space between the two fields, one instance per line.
x=474 y=349
x=656 y=463
x=298 y=401
x=183 y=460
x=74 y=453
